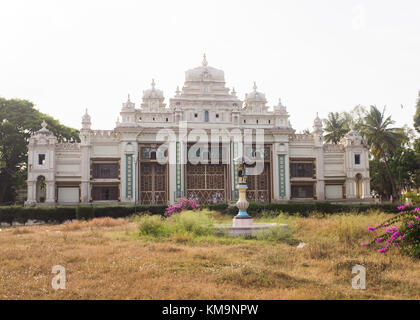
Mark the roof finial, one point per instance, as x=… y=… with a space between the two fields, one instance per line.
x=204 y=63
x=233 y=91
x=43 y=124
x=255 y=87
x=177 y=92
x=128 y=98
x=153 y=84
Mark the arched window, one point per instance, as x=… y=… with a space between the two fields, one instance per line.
x=206 y=116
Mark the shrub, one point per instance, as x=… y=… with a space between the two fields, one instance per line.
x=152 y=226
x=414 y=197
x=196 y=223
x=181 y=205
x=199 y=223
x=85 y=213
x=401 y=231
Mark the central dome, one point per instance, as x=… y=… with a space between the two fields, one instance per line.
x=153 y=93
x=205 y=73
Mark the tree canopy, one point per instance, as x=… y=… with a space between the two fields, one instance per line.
x=417 y=115
x=18 y=120
x=335 y=127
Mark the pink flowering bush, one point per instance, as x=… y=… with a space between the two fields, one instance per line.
x=402 y=231
x=182 y=205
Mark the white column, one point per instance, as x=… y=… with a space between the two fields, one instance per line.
x=85 y=181
x=50 y=192
x=350 y=188
x=275 y=164
x=366 y=188
x=172 y=171
x=31 y=193
x=287 y=174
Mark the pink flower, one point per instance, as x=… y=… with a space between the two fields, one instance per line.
x=396 y=234
x=418 y=217
x=391 y=229
x=410 y=225
x=379 y=240
x=382 y=250
x=364 y=244
x=371 y=229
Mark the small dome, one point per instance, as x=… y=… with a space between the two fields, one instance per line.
x=204 y=73
x=255 y=95
x=153 y=93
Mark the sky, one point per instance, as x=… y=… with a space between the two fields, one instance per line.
x=317 y=56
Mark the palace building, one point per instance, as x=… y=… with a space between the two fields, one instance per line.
x=158 y=153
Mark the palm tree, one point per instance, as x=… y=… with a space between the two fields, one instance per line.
x=335 y=127
x=382 y=139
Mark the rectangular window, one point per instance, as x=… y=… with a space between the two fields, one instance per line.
x=105 y=170
x=357 y=159
x=303 y=191
x=301 y=170
x=41 y=159
x=104 y=193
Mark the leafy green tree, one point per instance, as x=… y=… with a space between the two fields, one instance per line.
x=335 y=127
x=417 y=115
x=405 y=167
x=18 y=120
x=379 y=178
x=383 y=140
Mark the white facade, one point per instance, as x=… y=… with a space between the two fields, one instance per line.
x=124 y=165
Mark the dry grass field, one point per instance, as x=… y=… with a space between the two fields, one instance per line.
x=107 y=259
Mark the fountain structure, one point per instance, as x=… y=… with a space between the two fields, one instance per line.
x=243 y=224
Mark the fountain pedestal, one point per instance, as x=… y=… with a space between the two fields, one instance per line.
x=242 y=219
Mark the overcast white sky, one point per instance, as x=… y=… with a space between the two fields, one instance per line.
x=320 y=55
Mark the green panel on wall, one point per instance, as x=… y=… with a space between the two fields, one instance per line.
x=282 y=175
x=129 y=176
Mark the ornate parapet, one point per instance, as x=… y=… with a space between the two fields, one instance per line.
x=301 y=137
x=333 y=147
x=107 y=135
x=67 y=146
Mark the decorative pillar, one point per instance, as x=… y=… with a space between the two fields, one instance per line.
x=242 y=219
x=85 y=147
x=50 y=192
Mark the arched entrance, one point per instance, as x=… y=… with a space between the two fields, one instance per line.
x=41 y=189
x=359 y=187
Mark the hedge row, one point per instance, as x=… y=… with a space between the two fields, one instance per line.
x=304 y=209
x=60 y=214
